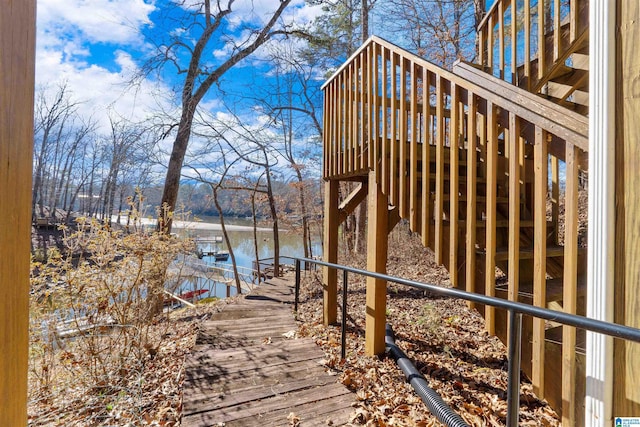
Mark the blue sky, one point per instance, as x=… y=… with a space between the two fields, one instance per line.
x=95 y=46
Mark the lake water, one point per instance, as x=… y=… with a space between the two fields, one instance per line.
x=242 y=243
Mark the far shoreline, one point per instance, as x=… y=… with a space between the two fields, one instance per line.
x=200 y=225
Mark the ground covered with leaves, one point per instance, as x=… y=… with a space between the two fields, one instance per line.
x=150 y=394
x=131 y=373
x=443 y=337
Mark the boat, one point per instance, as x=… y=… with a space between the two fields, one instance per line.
x=216 y=254
x=170 y=299
x=192 y=294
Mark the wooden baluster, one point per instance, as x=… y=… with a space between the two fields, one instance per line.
x=385 y=123
x=555 y=198
x=454 y=178
x=557 y=33
x=541 y=41
x=439 y=207
x=570 y=286
x=326 y=140
x=413 y=155
x=541 y=177
x=393 y=190
x=490 y=45
x=335 y=119
x=514 y=207
x=349 y=119
x=341 y=141
x=490 y=246
x=514 y=42
x=527 y=44
x=481 y=41
x=374 y=158
x=372 y=77
x=353 y=152
x=573 y=19
x=426 y=157
x=472 y=174
x=363 y=131
x=403 y=141
x=501 y=41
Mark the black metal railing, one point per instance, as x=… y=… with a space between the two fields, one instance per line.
x=516 y=311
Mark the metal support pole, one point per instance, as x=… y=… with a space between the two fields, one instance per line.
x=297 y=296
x=513 y=387
x=344 y=314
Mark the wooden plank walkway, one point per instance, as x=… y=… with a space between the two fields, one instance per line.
x=244 y=372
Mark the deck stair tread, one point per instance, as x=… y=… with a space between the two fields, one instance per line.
x=554 y=336
x=248 y=368
x=502 y=254
x=553 y=290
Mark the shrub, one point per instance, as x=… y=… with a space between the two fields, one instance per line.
x=93 y=309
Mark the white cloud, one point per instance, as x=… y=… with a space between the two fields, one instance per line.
x=97 y=21
x=68 y=31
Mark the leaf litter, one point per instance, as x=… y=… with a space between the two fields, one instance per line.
x=443 y=337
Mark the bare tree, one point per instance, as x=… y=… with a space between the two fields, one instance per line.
x=442 y=31
x=120 y=154
x=202 y=29
x=293 y=104
x=52 y=123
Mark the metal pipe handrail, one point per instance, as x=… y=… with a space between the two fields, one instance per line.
x=516 y=310
x=612 y=329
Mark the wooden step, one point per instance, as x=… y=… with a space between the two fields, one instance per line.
x=501 y=223
x=463 y=198
x=554 y=290
x=502 y=254
x=554 y=336
x=462 y=178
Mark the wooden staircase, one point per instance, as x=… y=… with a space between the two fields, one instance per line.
x=553 y=64
x=487 y=171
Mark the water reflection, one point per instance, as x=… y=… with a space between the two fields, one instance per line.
x=243 y=246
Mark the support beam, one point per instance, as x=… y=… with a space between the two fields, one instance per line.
x=376 y=261
x=352 y=201
x=393 y=219
x=17 y=69
x=330 y=254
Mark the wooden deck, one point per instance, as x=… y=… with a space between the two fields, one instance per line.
x=244 y=371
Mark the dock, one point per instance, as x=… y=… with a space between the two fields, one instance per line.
x=249 y=369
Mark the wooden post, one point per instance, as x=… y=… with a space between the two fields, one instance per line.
x=626 y=385
x=329 y=275
x=541 y=176
x=376 y=261
x=17 y=70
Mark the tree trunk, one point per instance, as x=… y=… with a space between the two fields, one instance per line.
x=174 y=170
x=360 y=244
x=214 y=189
x=255 y=231
x=303 y=211
x=364 y=21
x=274 y=217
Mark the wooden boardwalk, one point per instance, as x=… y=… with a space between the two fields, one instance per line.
x=244 y=371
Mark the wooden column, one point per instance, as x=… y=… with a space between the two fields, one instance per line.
x=377 y=229
x=330 y=251
x=17 y=68
x=626 y=397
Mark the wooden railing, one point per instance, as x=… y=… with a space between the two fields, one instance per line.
x=526 y=45
x=464 y=157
